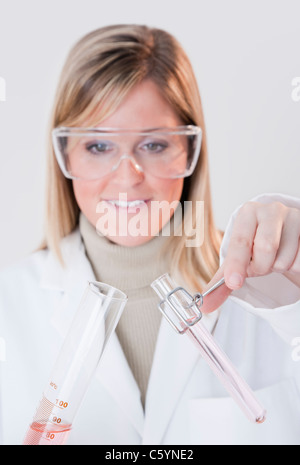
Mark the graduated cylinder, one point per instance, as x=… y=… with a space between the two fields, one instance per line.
x=96 y=319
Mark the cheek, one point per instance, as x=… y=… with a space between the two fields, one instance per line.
x=170 y=189
x=87 y=195
x=168 y=194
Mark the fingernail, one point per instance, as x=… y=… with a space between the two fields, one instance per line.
x=235 y=280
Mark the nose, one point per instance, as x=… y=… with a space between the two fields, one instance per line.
x=136 y=166
x=128 y=171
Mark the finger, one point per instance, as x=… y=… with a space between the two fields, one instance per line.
x=266 y=245
x=289 y=244
x=240 y=246
x=295 y=268
x=216 y=298
x=294 y=272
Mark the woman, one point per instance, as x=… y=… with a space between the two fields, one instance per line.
x=152 y=387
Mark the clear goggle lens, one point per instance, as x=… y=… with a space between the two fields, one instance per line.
x=90 y=154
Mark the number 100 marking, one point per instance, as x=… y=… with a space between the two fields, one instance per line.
x=61 y=403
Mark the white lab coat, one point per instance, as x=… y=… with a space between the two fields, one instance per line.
x=185 y=402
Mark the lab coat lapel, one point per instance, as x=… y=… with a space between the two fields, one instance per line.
x=174 y=360
x=113 y=372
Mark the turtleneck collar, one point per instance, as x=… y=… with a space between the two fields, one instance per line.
x=126 y=268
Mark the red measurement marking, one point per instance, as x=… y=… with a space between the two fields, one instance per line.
x=47 y=434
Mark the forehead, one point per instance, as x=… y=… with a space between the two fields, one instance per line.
x=143 y=107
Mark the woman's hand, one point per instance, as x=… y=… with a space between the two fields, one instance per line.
x=265 y=239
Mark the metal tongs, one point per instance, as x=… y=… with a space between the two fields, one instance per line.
x=182 y=311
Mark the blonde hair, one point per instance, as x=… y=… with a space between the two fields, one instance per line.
x=99 y=72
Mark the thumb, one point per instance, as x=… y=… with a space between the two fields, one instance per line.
x=216 y=298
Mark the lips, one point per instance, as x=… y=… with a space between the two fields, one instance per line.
x=126 y=204
x=129 y=205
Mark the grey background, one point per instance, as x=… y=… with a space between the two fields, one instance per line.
x=245 y=55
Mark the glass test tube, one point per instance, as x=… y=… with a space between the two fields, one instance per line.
x=184 y=315
x=97 y=316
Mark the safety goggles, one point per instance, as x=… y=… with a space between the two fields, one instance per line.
x=92 y=153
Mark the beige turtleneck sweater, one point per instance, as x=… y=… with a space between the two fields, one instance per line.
x=132 y=270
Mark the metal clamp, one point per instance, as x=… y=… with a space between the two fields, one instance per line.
x=185 y=322
x=188 y=315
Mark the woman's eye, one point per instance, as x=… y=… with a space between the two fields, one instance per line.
x=98 y=147
x=154 y=147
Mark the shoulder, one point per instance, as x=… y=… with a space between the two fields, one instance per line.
x=29 y=265
x=30 y=269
